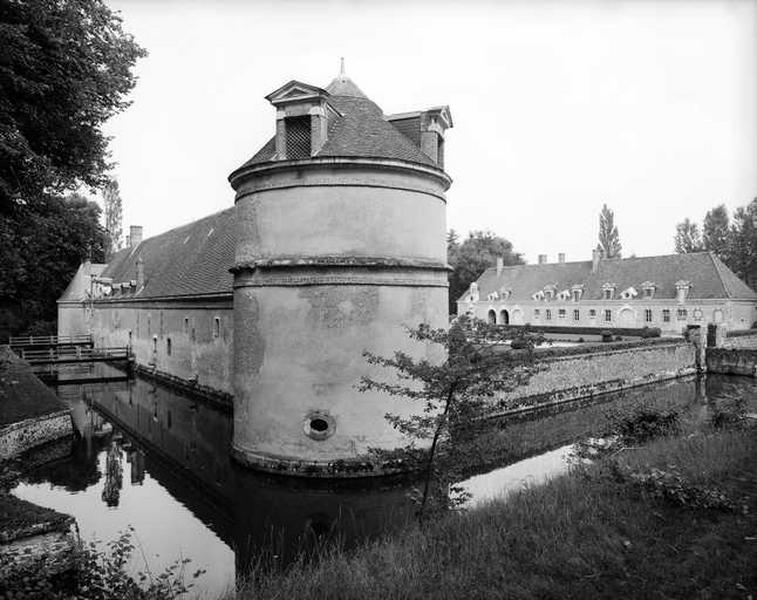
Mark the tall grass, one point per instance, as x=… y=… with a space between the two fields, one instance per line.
x=582 y=535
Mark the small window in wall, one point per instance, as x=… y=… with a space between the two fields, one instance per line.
x=576 y=314
x=216 y=327
x=149 y=326
x=168 y=346
x=682 y=314
x=537 y=314
x=608 y=315
x=665 y=315
x=186 y=324
x=298 y=143
x=561 y=313
x=647 y=315
x=548 y=314
x=592 y=313
x=155 y=343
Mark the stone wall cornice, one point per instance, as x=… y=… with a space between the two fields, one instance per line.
x=245 y=173
x=371 y=262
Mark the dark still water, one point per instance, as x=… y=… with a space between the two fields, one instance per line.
x=157 y=460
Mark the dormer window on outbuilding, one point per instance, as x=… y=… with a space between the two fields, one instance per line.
x=549 y=292
x=577 y=291
x=682 y=290
x=648 y=288
x=538 y=295
x=629 y=293
x=608 y=291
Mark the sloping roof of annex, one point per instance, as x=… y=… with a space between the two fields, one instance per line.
x=188 y=261
x=707 y=276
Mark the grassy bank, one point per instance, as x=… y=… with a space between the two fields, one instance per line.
x=593 y=533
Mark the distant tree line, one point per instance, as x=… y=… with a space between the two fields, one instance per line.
x=732 y=239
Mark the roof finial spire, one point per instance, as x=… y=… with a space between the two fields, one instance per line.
x=341 y=67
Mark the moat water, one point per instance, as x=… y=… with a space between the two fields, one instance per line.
x=148 y=457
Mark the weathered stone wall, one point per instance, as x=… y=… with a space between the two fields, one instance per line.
x=188 y=339
x=742 y=341
x=732 y=361
x=19 y=437
x=566 y=378
x=332 y=259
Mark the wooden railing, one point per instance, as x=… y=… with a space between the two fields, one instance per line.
x=72 y=354
x=50 y=340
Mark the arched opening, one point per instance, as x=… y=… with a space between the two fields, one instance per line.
x=492 y=317
x=504 y=317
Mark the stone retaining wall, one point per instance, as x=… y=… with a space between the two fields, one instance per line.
x=21 y=436
x=732 y=360
x=567 y=378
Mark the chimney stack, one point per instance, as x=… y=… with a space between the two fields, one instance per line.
x=542 y=259
x=596 y=256
x=500 y=265
x=135 y=236
x=561 y=257
x=140 y=273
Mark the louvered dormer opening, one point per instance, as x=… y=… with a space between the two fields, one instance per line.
x=298 y=136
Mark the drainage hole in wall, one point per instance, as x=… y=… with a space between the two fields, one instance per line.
x=319 y=425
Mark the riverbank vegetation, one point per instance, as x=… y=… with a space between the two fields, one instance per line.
x=675 y=517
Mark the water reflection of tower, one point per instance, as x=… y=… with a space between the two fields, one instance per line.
x=276 y=519
x=136 y=458
x=113 y=474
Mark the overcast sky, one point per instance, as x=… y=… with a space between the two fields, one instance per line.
x=558 y=107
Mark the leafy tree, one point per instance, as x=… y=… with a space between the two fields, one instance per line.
x=41 y=247
x=65 y=69
x=688 y=239
x=742 y=251
x=470 y=259
x=113 y=217
x=609 y=239
x=717 y=231
x=452 y=397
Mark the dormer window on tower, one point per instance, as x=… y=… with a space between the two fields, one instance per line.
x=426 y=130
x=608 y=291
x=648 y=287
x=303 y=112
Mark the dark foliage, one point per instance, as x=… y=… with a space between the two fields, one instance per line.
x=65 y=69
x=41 y=247
x=470 y=259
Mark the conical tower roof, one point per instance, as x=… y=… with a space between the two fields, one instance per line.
x=344 y=86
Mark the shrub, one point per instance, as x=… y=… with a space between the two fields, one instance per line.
x=651 y=332
x=606 y=335
x=670 y=486
x=643 y=424
x=618 y=338
x=729 y=412
x=519 y=344
x=580 y=340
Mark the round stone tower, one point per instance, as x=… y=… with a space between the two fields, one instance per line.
x=340 y=246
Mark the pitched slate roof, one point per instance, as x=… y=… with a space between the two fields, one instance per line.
x=362 y=131
x=79 y=286
x=192 y=260
x=708 y=276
